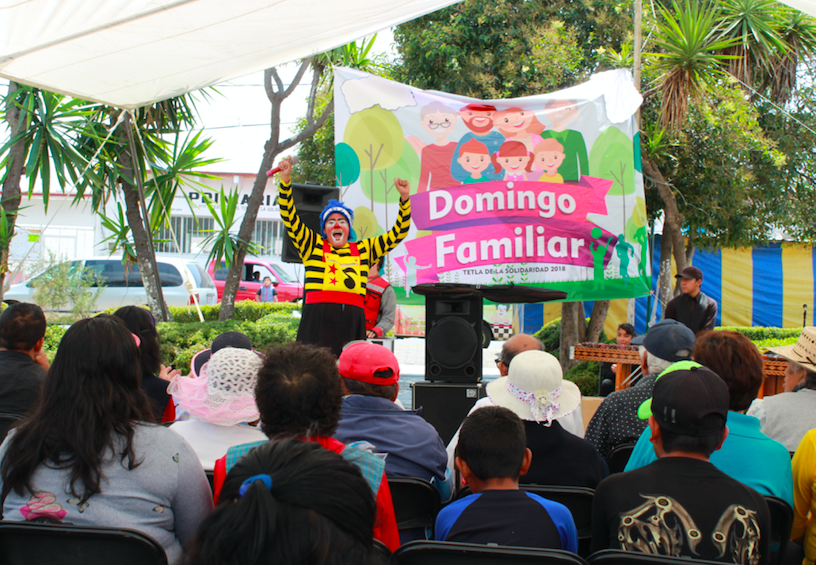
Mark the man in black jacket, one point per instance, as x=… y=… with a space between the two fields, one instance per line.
x=692 y=308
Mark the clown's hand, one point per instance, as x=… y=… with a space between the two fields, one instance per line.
x=285 y=170
x=403 y=188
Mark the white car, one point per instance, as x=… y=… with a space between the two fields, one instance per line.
x=123 y=283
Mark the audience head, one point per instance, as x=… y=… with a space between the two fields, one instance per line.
x=224 y=393
x=299 y=392
x=22 y=326
x=289 y=502
x=736 y=360
x=625 y=334
x=688 y=411
x=514 y=346
x=535 y=389
x=90 y=394
x=140 y=323
x=801 y=370
x=235 y=340
x=492 y=445
x=666 y=342
x=370 y=370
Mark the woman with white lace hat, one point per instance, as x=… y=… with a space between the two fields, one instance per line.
x=221 y=402
x=536 y=391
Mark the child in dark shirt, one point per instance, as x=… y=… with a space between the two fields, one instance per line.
x=491 y=455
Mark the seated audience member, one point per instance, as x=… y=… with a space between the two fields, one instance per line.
x=607 y=370
x=491 y=456
x=155 y=376
x=537 y=393
x=22 y=361
x=289 y=502
x=88 y=455
x=616 y=422
x=572 y=422
x=299 y=395
x=788 y=416
x=804 y=501
x=681 y=505
x=371 y=382
x=226 y=339
x=221 y=404
x=747 y=455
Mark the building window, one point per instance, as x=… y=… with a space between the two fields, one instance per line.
x=191 y=233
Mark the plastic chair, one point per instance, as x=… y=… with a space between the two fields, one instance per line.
x=6 y=421
x=620 y=557
x=452 y=553
x=211 y=479
x=26 y=543
x=416 y=502
x=619 y=457
x=781 y=524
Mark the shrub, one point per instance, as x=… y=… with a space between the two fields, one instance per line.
x=585 y=375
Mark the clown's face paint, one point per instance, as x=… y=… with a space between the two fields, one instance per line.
x=337 y=230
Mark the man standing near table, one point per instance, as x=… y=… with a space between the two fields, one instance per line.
x=692 y=308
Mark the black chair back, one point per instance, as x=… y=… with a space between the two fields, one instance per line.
x=6 y=421
x=579 y=502
x=781 y=524
x=24 y=543
x=619 y=457
x=416 y=502
x=620 y=557
x=452 y=553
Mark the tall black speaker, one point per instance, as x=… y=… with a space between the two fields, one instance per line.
x=445 y=406
x=309 y=199
x=453 y=338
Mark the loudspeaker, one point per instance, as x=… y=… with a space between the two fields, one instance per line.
x=453 y=338
x=445 y=406
x=309 y=199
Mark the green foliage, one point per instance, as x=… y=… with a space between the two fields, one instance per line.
x=585 y=375
x=223 y=242
x=245 y=310
x=757 y=334
x=508 y=48
x=67 y=284
x=550 y=336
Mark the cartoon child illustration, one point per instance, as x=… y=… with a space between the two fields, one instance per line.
x=519 y=125
x=548 y=155
x=561 y=113
x=475 y=159
x=514 y=159
x=479 y=120
x=439 y=121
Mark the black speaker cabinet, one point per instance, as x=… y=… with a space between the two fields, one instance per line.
x=445 y=406
x=309 y=199
x=453 y=338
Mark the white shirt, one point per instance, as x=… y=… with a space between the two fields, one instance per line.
x=211 y=441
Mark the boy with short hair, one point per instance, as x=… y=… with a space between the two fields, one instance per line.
x=491 y=455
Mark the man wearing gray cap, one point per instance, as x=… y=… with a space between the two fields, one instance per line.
x=616 y=421
x=693 y=308
x=681 y=505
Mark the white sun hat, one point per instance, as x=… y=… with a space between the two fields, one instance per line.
x=535 y=388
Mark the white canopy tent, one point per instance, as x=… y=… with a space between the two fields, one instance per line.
x=130 y=53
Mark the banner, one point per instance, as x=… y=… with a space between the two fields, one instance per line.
x=543 y=191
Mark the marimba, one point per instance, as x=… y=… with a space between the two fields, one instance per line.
x=773 y=365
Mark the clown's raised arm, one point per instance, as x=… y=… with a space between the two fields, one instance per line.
x=337 y=266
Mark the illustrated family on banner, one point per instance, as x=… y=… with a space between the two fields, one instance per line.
x=543 y=191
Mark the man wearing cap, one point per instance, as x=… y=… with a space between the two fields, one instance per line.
x=681 y=505
x=616 y=422
x=693 y=308
x=370 y=375
x=336 y=265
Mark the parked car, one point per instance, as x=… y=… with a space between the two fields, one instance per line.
x=289 y=289
x=123 y=283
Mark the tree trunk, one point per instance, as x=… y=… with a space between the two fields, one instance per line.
x=664 y=278
x=140 y=240
x=11 y=184
x=672 y=218
x=597 y=320
x=573 y=330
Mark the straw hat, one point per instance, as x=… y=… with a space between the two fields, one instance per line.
x=803 y=352
x=535 y=389
x=224 y=393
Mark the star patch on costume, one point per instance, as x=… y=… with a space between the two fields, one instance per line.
x=333 y=281
x=332 y=270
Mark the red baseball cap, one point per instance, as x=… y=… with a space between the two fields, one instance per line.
x=360 y=361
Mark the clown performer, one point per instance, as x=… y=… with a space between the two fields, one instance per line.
x=336 y=266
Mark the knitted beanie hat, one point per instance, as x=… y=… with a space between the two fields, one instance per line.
x=224 y=393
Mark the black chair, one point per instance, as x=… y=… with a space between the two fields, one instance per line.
x=620 y=557
x=211 y=480
x=416 y=502
x=6 y=421
x=619 y=457
x=25 y=543
x=452 y=553
x=781 y=524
